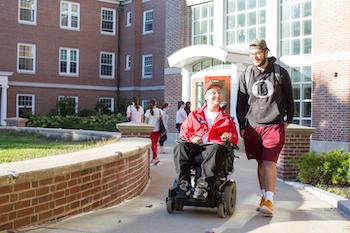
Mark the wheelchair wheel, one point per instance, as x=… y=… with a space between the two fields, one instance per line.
x=170 y=204
x=230 y=197
x=222 y=212
x=179 y=206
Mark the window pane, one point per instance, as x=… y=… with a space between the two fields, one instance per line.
x=295 y=10
x=262 y=32
x=251 y=34
x=63 y=67
x=231 y=22
x=296 y=109
x=307 y=10
x=296 y=92
x=295 y=47
x=204 y=11
x=196 y=13
x=262 y=3
x=251 y=4
x=241 y=5
x=307 y=46
x=241 y=20
x=231 y=38
x=296 y=28
x=295 y=74
x=306 y=123
x=196 y=28
x=241 y=36
x=307 y=74
x=285 y=50
x=262 y=16
x=306 y=27
x=251 y=18
x=306 y=91
x=230 y=6
x=307 y=109
x=285 y=12
x=204 y=26
x=285 y=30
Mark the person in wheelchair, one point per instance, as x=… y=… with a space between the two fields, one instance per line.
x=207 y=125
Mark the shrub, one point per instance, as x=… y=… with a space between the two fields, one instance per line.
x=329 y=168
x=98 y=121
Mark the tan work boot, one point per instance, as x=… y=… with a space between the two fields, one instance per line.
x=267 y=208
x=262 y=199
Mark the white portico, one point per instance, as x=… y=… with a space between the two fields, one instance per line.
x=4 y=86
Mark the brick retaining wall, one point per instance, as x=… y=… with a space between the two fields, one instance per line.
x=42 y=195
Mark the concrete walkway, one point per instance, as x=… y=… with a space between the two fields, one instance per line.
x=295 y=210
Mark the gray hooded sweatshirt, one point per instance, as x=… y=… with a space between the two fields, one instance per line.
x=267 y=97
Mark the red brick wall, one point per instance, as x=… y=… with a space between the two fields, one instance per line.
x=297 y=142
x=173 y=87
x=331 y=96
x=37 y=198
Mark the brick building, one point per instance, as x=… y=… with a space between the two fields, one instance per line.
x=88 y=51
x=208 y=40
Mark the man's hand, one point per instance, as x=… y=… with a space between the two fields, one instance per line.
x=197 y=140
x=242 y=133
x=226 y=136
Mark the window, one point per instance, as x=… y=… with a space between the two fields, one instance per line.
x=245 y=20
x=108 y=102
x=147 y=66
x=147 y=21
x=69 y=106
x=128 y=19
x=69 y=62
x=27 y=11
x=145 y=104
x=296 y=27
x=108 y=21
x=203 y=24
x=25 y=105
x=70 y=15
x=210 y=64
x=25 y=58
x=107 y=65
x=127 y=62
x=302 y=88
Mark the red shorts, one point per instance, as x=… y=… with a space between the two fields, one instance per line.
x=264 y=143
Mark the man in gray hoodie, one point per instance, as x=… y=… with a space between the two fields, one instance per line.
x=265 y=107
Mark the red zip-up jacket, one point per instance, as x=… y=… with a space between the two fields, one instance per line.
x=196 y=125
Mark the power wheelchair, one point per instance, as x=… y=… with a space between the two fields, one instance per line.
x=222 y=188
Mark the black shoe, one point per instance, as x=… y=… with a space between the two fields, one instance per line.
x=184 y=190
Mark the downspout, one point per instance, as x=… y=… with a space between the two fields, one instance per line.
x=120 y=10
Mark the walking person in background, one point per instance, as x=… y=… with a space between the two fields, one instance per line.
x=188 y=107
x=135 y=112
x=264 y=98
x=163 y=136
x=152 y=115
x=181 y=115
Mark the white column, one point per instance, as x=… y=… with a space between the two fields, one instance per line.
x=272 y=22
x=186 y=84
x=219 y=16
x=3 y=104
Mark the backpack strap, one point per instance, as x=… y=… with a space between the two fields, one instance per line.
x=277 y=70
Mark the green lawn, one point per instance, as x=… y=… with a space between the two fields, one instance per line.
x=16 y=146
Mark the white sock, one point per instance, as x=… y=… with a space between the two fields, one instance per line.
x=269 y=196
x=263 y=192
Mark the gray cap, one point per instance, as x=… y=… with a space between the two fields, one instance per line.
x=261 y=43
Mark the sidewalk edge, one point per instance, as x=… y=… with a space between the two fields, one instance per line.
x=342 y=204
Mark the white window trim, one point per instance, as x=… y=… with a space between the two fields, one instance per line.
x=114 y=22
x=144 y=22
x=113 y=66
x=69 y=27
x=76 y=98
x=68 y=62
x=112 y=102
x=25 y=21
x=128 y=19
x=33 y=103
x=34 y=58
x=143 y=66
x=127 y=61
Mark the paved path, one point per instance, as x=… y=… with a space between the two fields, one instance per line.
x=296 y=211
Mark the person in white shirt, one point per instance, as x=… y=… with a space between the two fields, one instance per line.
x=134 y=111
x=152 y=115
x=181 y=115
x=163 y=136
